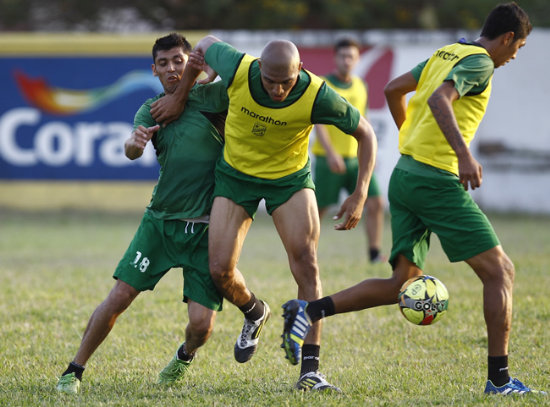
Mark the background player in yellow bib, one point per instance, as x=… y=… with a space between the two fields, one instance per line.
x=428 y=187
x=273 y=104
x=335 y=166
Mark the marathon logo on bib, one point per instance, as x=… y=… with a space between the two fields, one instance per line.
x=267 y=119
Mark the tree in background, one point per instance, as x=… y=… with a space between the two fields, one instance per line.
x=162 y=15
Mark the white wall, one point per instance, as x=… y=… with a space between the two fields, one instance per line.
x=518 y=176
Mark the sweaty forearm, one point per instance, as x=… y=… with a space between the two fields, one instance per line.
x=366 y=154
x=397 y=105
x=395 y=92
x=442 y=109
x=190 y=75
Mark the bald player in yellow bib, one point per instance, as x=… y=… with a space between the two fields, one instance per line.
x=273 y=105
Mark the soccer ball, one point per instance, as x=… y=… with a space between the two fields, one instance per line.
x=423 y=300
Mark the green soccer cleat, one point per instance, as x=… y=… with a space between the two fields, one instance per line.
x=68 y=383
x=174 y=371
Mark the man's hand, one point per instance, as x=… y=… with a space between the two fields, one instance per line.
x=134 y=146
x=470 y=172
x=352 y=208
x=166 y=109
x=196 y=60
x=142 y=135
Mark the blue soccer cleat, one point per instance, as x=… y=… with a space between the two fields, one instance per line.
x=296 y=327
x=514 y=386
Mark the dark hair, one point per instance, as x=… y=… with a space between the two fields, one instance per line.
x=505 y=18
x=170 y=41
x=345 y=42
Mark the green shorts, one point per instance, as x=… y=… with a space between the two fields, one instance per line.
x=424 y=199
x=160 y=245
x=247 y=191
x=329 y=184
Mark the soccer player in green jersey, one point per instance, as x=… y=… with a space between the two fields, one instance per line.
x=273 y=104
x=428 y=188
x=335 y=167
x=174 y=228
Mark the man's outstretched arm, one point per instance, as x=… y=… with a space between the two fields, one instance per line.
x=367 y=147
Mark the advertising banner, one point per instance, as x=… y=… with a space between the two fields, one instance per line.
x=68 y=103
x=67 y=117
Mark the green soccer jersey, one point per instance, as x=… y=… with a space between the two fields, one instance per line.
x=329 y=107
x=187 y=150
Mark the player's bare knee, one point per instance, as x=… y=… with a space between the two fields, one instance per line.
x=220 y=272
x=403 y=271
x=305 y=256
x=508 y=271
x=121 y=296
x=499 y=272
x=201 y=328
x=374 y=205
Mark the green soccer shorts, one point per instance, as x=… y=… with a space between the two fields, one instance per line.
x=160 y=245
x=425 y=200
x=247 y=191
x=329 y=184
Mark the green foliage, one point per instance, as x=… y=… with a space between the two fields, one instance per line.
x=14 y=14
x=56 y=268
x=67 y=15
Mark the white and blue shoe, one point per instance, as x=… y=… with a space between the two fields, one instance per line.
x=514 y=386
x=247 y=342
x=315 y=381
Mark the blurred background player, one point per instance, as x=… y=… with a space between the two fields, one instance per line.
x=428 y=189
x=174 y=228
x=335 y=152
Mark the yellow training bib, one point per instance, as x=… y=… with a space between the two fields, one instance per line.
x=420 y=135
x=262 y=141
x=343 y=143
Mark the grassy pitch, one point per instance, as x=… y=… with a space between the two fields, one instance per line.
x=55 y=268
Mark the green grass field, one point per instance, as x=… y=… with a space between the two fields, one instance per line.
x=55 y=268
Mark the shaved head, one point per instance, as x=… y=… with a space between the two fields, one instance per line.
x=280 y=54
x=280 y=67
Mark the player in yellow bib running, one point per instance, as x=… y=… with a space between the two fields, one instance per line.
x=273 y=104
x=428 y=188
